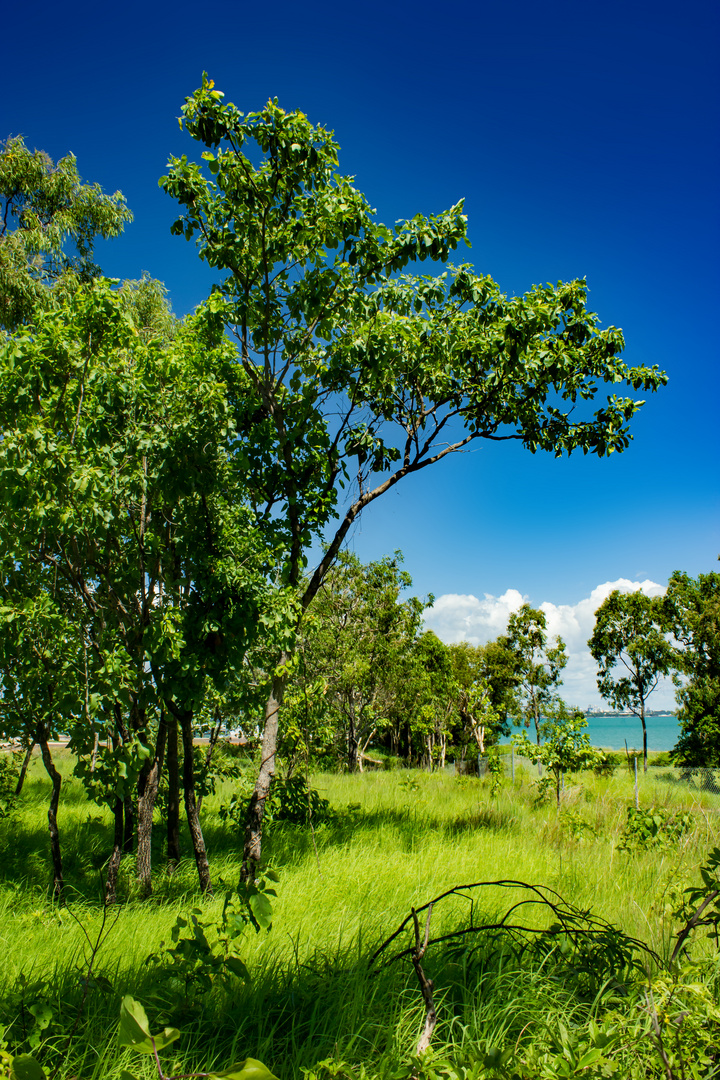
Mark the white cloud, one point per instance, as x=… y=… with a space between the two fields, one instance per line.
x=457 y=617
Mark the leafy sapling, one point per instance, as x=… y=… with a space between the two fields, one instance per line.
x=135 y=1035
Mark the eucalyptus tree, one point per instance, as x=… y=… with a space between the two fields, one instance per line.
x=49 y=221
x=692 y=606
x=538 y=665
x=124 y=502
x=358 y=376
x=631 y=647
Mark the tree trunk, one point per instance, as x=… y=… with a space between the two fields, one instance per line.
x=147 y=794
x=24 y=768
x=173 y=803
x=252 y=850
x=117 y=853
x=191 y=810
x=58 y=883
x=214 y=736
x=352 y=744
x=129 y=826
x=93 y=756
x=642 y=721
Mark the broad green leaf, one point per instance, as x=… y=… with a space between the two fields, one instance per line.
x=134 y=1027
x=249 y=1069
x=25 y=1067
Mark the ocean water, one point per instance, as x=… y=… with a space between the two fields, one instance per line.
x=610 y=732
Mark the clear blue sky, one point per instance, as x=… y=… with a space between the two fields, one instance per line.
x=584 y=138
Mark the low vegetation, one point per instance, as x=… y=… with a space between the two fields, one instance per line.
x=568 y=996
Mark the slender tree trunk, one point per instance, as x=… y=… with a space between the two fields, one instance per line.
x=252 y=850
x=117 y=853
x=191 y=810
x=352 y=744
x=173 y=804
x=58 y=883
x=93 y=756
x=24 y=768
x=642 y=721
x=147 y=794
x=214 y=736
x=129 y=825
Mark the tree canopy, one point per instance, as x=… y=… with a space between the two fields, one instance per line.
x=693 y=610
x=357 y=374
x=49 y=222
x=631 y=647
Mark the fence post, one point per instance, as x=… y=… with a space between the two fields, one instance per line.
x=637 y=796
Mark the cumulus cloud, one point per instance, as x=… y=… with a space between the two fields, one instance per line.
x=457 y=617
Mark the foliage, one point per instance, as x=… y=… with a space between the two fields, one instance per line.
x=351 y=375
x=630 y=638
x=537 y=665
x=131 y=578
x=292 y=800
x=566 y=747
x=9 y=773
x=653 y=827
x=44 y=211
x=135 y=1034
x=693 y=610
x=356 y=644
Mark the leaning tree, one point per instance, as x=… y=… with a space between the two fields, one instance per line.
x=355 y=374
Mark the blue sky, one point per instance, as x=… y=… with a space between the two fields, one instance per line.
x=584 y=139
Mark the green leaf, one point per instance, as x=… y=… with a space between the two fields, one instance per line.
x=236 y=965
x=25 y=1067
x=134 y=1027
x=249 y=1069
x=135 y=1031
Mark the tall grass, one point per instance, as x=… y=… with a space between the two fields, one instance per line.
x=396 y=840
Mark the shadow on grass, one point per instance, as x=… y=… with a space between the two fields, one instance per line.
x=86 y=838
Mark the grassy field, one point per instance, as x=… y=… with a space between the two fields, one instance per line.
x=395 y=840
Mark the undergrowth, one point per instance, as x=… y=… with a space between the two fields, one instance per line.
x=302 y=999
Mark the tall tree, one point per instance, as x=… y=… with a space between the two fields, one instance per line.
x=49 y=221
x=538 y=665
x=124 y=501
x=631 y=647
x=357 y=377
x=693 y=611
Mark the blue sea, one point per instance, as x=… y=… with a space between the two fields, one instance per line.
x=610 y=732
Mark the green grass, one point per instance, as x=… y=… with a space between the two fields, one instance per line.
x=311 y=995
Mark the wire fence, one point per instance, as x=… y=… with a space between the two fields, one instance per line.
x=698 y=778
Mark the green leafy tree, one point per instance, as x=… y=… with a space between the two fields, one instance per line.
x=357 y=376
x=480 y=715
x=538 y=665
x=49 y=221
x=124 y=505
x=357 y=638
x=566 y=745
x=693 y=611
x=432 y=696
x=632 y=650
